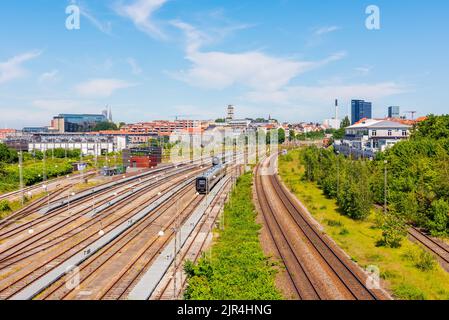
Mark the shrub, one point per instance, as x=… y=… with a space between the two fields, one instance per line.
x=425 y=261
x=408 y=292
x=334 y=223
x=394 y=230
x=5 y=206
x=439 y=213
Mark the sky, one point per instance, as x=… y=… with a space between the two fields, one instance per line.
x=161 y=59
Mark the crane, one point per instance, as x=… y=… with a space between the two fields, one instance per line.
x=412 y=113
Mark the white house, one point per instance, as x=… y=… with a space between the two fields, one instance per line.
x=373 y=136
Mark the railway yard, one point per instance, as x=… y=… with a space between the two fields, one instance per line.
x=128 y=238
x=99 y=243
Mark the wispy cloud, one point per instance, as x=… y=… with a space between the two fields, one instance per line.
x=105 y=27
x=135 y=68
x=327 y=29
x=140 y=12
x=13 y=69
x=102 y=87
x=252 y=69
x=48 y=76
x=364 y=70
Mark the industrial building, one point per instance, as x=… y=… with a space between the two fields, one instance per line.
x=97 y=143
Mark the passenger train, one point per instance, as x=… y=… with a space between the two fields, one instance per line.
x=209 y=179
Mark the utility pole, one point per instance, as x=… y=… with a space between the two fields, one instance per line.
x=175 y=258
x=338 y=173
x=44 y=165
x=385 y=188
x=21 y=176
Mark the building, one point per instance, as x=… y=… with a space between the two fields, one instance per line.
x=161 y=127
x=360 y=109
x=370 y=136
x=77 y=122
x=88 y=144
x=32 y=130
x=5 y=133
x=230 y=116
x=147 y=157
x=394 y=112
x=332 y=123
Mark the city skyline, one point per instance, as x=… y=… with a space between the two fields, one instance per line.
x=158 y=59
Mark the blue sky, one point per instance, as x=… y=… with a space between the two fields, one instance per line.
x=156 y=59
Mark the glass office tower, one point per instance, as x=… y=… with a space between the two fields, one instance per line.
x=360 y=109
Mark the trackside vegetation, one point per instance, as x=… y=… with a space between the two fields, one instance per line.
x=236 y=267
x=406 y=269
x=417 y=180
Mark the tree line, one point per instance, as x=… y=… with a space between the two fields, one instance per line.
x=417 y=188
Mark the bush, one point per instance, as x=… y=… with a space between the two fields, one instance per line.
x=408 y=292
x=439 y=213
x=425 y=261
x=5 y=206
x=394 y=230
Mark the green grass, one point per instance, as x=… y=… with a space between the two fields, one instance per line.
x=408 y=272
x=17 y=204
x=236 y=267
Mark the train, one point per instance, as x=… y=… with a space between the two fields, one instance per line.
x=209 y=179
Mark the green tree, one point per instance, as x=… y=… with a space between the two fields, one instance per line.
x=291 y=135
x=7 y=154
x=281 y=136
x=394 y=230
x=435 y=127
x=103 y=126
x=439 y=213
x=340 y=133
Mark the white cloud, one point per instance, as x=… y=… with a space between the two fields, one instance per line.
x=253 y=69
x=105 y=27
x=135 y=68
x=327 y=29
x=101 y=87
x=49 y=76
x=12 y=69
x=364 y=70
x=140 y=12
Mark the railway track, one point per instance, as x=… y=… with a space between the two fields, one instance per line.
x=436 y=247
x=348 y=278
x=38 y=186
x=144 y=233
x=163 y=294
x=33 y=273
x=115 y=191
x=31 y=208
x=31 y=246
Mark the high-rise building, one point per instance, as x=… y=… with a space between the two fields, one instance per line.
x=360 y=109
x=394 y=112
